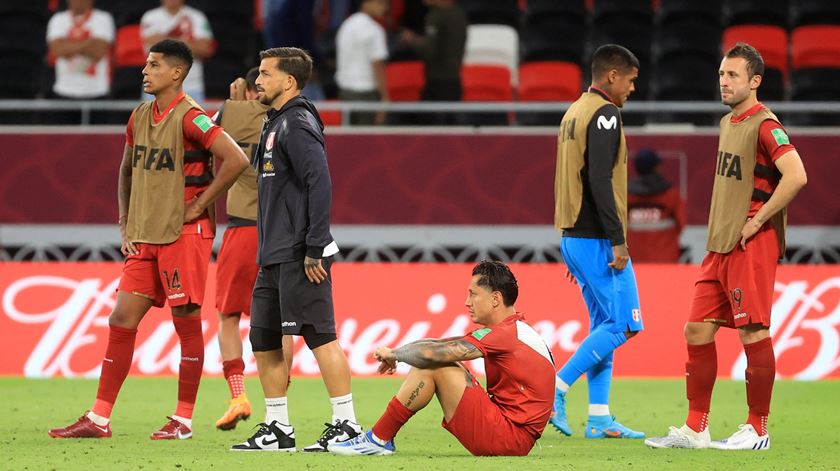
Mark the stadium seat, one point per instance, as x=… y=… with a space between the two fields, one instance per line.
x=493 y=45
x=128 y=47
x=634 y=35
x=21 y=77
x=549 y=81
x=685 y=78
x=815 y=46
x=553 y=35
x=405 y=80
x=219 y=72
x=771 y=41
x=687 y=37
x=330 y=118
x=127 y=83
x=707 y=11
x=763 y=12
x=485 y=83
x=575 y=9
x=815 y=84
x=813 y=12
x=39 y=7
x=23 y=32
x=497 y=12
x=628 y=10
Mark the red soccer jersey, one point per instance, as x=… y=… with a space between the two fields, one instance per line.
x=772 y=143
x=654 y=224
x=520 y=371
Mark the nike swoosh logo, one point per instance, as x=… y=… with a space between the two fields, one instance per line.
x=612 y=433
x=265 y=442
x=101 y=429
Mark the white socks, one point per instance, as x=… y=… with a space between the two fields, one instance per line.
x=599 y=409
x=561 y=385
x=187 y=422
x=277 y=408
x=343 y=408
x=98 y=419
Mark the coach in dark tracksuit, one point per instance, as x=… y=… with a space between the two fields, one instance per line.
x=293 y=291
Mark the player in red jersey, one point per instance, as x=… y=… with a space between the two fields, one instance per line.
x=758 y=173
x=505 y=420
x=166 y=218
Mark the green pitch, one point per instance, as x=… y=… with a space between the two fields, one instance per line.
x=804 y=428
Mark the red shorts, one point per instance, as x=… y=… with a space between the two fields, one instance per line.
x=481 y=427
x=736 y=289
x=236 y=270
x=176 y=271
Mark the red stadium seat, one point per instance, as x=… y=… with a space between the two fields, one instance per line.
x=815 y=46
x=771 y=42
x=330 y=117
x=128 y=50
x=549 y=81
x=486 y=83
x=405 y=80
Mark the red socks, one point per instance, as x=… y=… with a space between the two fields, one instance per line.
x=394 y=417
x=115 y=366
x=235 y=376
x=761 y=374
x=700 y=374
x=192 y=362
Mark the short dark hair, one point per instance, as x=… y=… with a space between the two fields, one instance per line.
x=178 y=50
x=612 y=56
x=496 y=276
x=293 y=61
x=755 y=63
x=251 y=79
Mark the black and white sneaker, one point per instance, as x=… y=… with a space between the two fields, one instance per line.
x=269 y=438
x=341 y=430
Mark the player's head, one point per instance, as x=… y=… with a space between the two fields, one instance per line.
x=284 y=72
x=172 y=5
x=251 y=83
x=646 y=161
x=167 y=65
x=375 y=8
x=614 y=70
x=492 y=288
x=740 y=74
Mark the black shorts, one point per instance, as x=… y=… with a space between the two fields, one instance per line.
x=285 y=300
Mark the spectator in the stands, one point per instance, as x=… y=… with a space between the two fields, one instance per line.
x=173 y=19
x=80 y=38
x=361 y=52
x=442 y=49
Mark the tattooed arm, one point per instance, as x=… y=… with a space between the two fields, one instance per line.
x=428 y=353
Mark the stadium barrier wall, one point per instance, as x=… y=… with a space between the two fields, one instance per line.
x=54 y=320
x=473 y=178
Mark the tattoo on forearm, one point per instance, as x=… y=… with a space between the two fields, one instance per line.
x=415 y=393
x=431 y=353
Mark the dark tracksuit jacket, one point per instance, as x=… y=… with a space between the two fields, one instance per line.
x=294 y=186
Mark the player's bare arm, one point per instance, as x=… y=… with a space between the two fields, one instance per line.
x=793 y=179
x=429 y=353
x=234 y=162
x=123 y=196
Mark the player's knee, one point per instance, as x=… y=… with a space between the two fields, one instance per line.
x=697 y=333
x=314 y=339
x=265 y=340
x=124 y=319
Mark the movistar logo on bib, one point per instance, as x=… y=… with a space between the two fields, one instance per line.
x=604 y=123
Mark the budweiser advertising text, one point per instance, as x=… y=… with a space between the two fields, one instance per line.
x=54 y=319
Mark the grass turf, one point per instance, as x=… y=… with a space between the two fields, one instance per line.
x=802 y=427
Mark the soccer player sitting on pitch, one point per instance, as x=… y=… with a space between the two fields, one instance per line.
x=758 y=173
x=505 y=420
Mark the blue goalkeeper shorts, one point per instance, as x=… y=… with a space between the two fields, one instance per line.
x=610 y=295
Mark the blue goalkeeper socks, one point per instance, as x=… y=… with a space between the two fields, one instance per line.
x=599 y=378
x=598 y=346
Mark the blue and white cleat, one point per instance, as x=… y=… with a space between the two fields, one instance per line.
x=558 y=417
x=609 y=428
x=746 y=438
x=363 y=444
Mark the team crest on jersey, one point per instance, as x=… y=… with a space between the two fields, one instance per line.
x=268 y=166
x=269 y=143
x=637 y=315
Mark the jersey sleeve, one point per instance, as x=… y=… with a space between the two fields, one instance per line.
x=602 y=142
x=200 y=129
x=488 y=340
x=773 y=140
x=129 y=131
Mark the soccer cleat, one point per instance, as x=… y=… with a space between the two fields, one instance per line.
x=610 y=428
x=268 y=438
x=683 y=437
x=746 y=438
x=172 y=430
x=239 y=409
x=82 y=428
x=362 y=444
x=558 y=417
x=340 y=431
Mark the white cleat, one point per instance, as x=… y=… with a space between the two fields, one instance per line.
x=746 y=438
x=683 y=437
